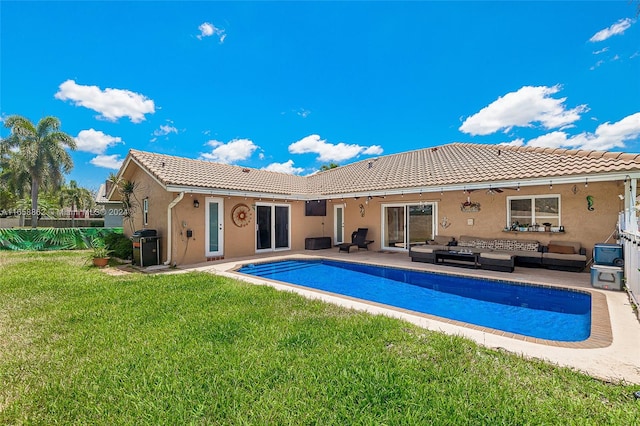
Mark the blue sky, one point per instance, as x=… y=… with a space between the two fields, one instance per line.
x=289 y=86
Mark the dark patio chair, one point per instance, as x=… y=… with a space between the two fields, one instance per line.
x=358 y=239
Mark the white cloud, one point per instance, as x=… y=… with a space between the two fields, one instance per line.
x=516 y=142
x=207 y=30
x=303 y=113
x=164 y=130
x=95 y=141
x=330 y=152
x=606 y=137
x=112 y=104
x=618 y=28
x=373 y=150
x=107 y=161
x=603 y=50
x=596 y=65
x=521 y=109
x=550 y=140
x=235 y=150
x=286 y=167
x=609 y=136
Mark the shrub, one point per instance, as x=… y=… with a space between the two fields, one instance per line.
x=120 y=245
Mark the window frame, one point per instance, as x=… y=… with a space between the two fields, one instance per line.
x=533 y=199
x=145 y=211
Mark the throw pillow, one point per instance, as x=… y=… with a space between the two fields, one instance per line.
x=553 y=248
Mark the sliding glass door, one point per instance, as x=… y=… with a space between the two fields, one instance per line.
x=405 y=224
x=272 y=227
x=394 y=226
x=421 y=222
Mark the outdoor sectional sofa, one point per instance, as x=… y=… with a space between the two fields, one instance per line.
x=502 y=254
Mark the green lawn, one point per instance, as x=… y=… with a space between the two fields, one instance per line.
x=79 y=346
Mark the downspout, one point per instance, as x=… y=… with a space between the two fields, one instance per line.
x=169 y=225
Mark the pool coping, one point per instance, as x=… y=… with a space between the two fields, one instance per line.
x=600 y=334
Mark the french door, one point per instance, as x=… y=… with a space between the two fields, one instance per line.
x=406 y=224
x=272 y=227
x=214 y=224
x=338 y=223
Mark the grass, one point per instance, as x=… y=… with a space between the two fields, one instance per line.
x=79 y=346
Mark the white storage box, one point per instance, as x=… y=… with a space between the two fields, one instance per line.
x=606 y=277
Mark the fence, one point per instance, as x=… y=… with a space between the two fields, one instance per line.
x=630 y=240
x=22 y=221
x=52 y=238
x=631 y=247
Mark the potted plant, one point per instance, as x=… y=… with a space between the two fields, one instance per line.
x=100 y=254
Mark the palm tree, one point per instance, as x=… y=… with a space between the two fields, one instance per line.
x=13 y=177
x=75 y=197
x=39 y=151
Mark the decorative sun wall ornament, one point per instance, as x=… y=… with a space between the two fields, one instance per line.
x=241 y=215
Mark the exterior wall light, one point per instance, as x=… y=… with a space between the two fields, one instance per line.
x=196 y=204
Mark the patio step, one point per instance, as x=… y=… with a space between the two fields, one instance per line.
x=274 y=268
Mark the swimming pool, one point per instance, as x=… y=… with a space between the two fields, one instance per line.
x=542 y=312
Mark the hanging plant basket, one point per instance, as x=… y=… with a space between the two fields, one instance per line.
x=470 y=207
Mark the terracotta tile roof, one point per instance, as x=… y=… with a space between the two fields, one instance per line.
x=466 y=163
x=179 y=171
x=452 y=164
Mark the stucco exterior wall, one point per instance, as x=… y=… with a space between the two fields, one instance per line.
x=238 y=240
x=158 y=198
x=581 y=224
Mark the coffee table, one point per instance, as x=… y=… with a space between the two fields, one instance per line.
x=461 y=258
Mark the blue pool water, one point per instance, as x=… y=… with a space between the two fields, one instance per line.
x=546 y=313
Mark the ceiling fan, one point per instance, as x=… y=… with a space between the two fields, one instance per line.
x=493 y=191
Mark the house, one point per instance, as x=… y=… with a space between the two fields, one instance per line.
x=112 y=209
x=206 y=211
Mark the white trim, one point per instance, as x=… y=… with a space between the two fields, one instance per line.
x=145 y=211
x=220 y=202
x=335 y=222
x=273 y=227
x=427 y=191
x=405 y=205
x=533 y=198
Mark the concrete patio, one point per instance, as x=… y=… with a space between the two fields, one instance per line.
x=611 y=353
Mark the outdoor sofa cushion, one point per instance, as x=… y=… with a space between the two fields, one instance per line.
x=573 y=259
x=576 y=245
x=497 y=261
x=426 y=249
x=561 y=249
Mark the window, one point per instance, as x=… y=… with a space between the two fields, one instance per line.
x=533 y=210
x=145 y=211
